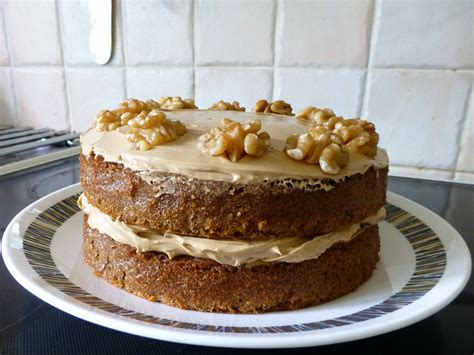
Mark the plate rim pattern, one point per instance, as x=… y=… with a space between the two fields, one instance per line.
x=429 y=251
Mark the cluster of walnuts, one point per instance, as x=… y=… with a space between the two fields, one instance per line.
x=226 y=106
x=152 y=128
x=108 y=120
x=328 y=142
x=148 y=125
x=330 y=139
x=177 y=103
x=278 y=107
x=234 y=140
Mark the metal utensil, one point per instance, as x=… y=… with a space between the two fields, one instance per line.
x=27 y=147
x=100 y=30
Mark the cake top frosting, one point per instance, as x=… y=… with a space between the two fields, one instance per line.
x=180 y=153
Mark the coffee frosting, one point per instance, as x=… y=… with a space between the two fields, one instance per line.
x=228 y=252
x=181 y=156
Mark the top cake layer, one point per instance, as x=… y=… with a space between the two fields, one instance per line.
x=181 y=156
x=230 y=174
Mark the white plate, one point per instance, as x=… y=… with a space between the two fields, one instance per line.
x=424 y=265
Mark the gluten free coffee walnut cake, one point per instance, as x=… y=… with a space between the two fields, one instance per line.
x=223 y=210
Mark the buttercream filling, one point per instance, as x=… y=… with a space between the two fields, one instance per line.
x=228 y=252
x=181 y=156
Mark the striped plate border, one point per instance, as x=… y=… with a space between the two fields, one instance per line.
x=428 y=248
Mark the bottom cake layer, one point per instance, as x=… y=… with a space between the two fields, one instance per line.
x=205 y=285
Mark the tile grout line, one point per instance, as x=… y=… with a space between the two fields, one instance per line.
x=193 y=47
x=424 y=172
x=428 y=177
x=276 y=22
x=4 y=28
x=370 y=34
x=12 y=85
x=225 y=66
x=462 y=125
x=118 y=7
x=64 y=66
x=394 y=165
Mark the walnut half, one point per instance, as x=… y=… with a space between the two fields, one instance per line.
x=152 y=128
x=106 y=121
x=177 y=103
x=356 y=134
x=359 y=136
x=279 y=107
x=235 y=140
x=324 y=150
x=330 y=139
x=226 y=106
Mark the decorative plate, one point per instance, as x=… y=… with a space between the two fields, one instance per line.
x=424 y=265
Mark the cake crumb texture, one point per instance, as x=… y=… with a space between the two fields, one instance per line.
x=224 y=210
x=205 y=285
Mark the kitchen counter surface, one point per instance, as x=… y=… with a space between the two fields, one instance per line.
x=31 y=326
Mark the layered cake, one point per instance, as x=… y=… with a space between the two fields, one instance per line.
x=227 y=210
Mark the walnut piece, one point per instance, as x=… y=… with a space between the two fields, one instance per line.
x=356 y=134
x=149 y=129
x=136 y=106
x=279 y=107
x=330 y=140
x=106 y=121
x=177 y=103
x=235 y=140
x=149 y=126
x=226 y=106
x=330 y=155
x=333 y=158
x=314 y=114
x=359 y=135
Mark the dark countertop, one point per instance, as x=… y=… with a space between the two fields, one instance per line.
x=31 y=326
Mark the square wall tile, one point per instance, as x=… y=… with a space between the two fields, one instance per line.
x=4 y=59
x=8 y=113
x=340 y=90
x=152 y=83
x=32 y=28
x=74 y=16
x=41 y=97
x=240 y=33
x=91 y=90
x=423 y=33
x=417 y=114
x=465 y=161
x=323 y=32
x=246 y=86
x=158 y=32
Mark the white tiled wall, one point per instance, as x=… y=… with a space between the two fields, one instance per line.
x=74 y=19
x=323 y=33
x=90 y=90
x=33 y=32
x=226 y=35
x=157 y=32
x=407 y=65
x=41 y=97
